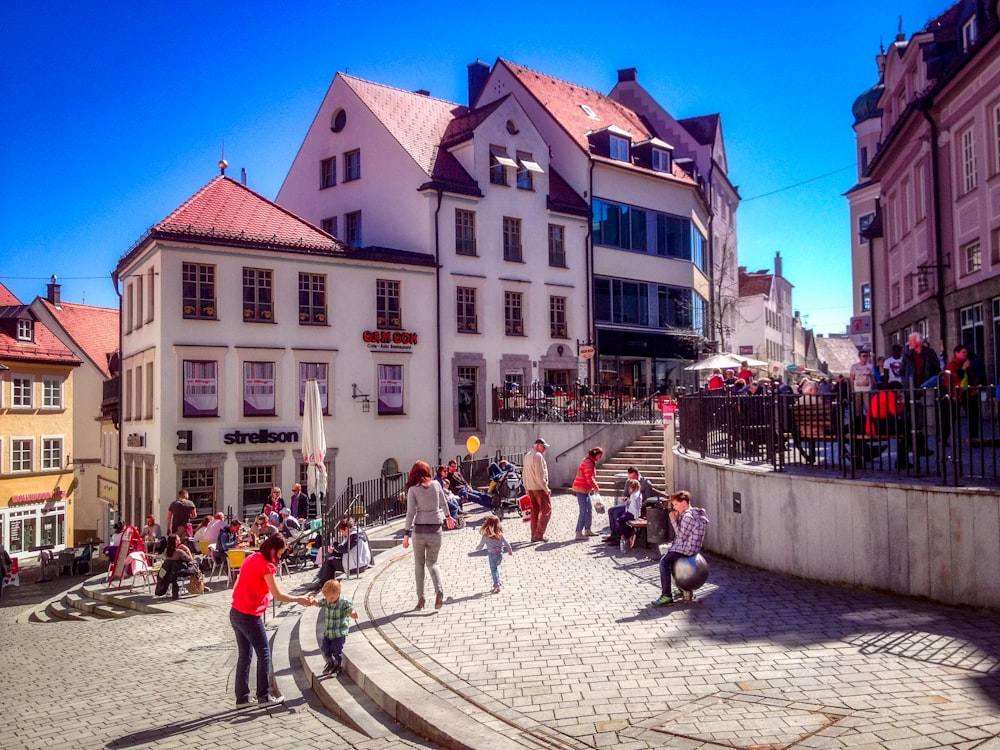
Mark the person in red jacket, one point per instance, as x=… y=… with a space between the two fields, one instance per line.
x=584 y=486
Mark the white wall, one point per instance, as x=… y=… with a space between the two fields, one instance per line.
x=930 y=542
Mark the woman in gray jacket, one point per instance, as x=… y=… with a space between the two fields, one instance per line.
x=426 y=511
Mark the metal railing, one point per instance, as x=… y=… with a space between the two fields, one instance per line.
x=377 y=501
x=930 y=432
x=579 y=404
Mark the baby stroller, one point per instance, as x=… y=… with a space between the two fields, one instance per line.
x=508 y=489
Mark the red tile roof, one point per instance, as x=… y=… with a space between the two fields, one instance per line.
x=7 y=297
x=225 y=212
x=563 y=101
x=755 y=283
x=45 y=348
x=417 y=122
x=93 y=329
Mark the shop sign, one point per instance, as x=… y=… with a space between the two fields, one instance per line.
x=107 y=490
x=38 y=497
x=587 y=352
x=262 y=436
x=390 y=341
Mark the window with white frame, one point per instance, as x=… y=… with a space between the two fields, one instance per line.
x=864 y=221
x=52 y=453
x=352 y=165
x=557 y=246
x=557 y=317
x=512 y=239
x=967 y=143
x=465 y=310
x=390 y=389
x=996 y=138
x=198 y=290
x=21 y=454
x=317 y=371
x=22 y=391
x=972 y=331
x=26 y=330
x=258 y=389
x=201 y=388
x=973 y=257
x=388 y=307
x=661 y=160
x=618 y=148
x=468 y=390
x=866 y=297
x=352 y=228
x=465 y=232
x=969 y=34
x=328 y=172
x=513 y=317
x=525 y=166
x=312 y=299
x=258 y=295
x=499 y=163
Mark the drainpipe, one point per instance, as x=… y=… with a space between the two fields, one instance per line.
x=437 y=334
x=711 y=260
x=871 y=286
x=923 y=105
x=121 y=392
x=589 y=258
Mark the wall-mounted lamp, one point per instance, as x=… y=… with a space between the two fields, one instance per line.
x=366 y=404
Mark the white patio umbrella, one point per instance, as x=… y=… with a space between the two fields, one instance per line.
x=314 y=444
x=723 y=361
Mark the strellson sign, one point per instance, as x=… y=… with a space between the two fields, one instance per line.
x=263 y=436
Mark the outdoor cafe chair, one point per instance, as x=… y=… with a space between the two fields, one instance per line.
x=234 y=561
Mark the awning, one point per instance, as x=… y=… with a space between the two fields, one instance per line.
x=531 y=166
x=500 y=154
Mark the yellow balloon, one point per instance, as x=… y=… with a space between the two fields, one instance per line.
x=472 y=444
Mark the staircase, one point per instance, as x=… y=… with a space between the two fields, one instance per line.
x=646 y=454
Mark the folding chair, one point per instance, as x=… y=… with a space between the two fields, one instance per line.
x=141 y=567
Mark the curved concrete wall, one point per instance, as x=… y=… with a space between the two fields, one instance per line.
x=938 y=543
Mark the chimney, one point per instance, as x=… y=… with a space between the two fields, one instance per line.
x=479 y=72
x=243 y=176
x=628 y=74
x=53 y=291
x=777 y=264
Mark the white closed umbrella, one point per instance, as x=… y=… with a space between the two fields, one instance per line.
x=314 y=444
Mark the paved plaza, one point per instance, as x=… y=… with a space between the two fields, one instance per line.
x=568 y=655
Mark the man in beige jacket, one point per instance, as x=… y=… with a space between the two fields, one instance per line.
x=535 y=475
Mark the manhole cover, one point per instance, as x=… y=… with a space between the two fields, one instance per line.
x=748 y=723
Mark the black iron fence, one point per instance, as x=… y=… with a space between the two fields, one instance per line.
x=953 y=436
x=578 y=404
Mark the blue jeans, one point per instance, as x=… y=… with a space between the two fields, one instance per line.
x=586 y=516
x=333 y=648
x=495 y=559
x=613 y=514
x=250 y=634
x=453 y=509
x=475 y=496
x=666 y=568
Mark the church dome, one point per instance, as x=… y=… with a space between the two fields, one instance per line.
x=866 y=106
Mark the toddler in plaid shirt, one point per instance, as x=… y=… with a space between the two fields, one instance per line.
x=337 y=612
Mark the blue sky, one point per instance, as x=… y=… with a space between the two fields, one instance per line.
x=116 y=112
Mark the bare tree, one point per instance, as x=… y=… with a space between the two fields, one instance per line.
x=725 y=290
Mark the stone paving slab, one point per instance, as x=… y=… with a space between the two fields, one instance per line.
x=568 y=655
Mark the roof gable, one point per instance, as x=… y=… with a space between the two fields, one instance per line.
x=752 y=284
x=7 y=297
x=416 y=121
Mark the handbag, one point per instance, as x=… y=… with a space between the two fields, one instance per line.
x=598 y=503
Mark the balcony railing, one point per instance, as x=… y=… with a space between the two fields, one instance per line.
x=579 y=404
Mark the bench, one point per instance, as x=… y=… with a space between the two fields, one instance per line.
x=812 y=422
x=639 y=526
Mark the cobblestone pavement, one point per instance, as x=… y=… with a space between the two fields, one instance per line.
x=568 y=654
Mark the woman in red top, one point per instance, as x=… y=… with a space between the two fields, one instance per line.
x=253 y=591
x=584 y=485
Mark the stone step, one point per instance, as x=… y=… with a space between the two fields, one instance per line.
x=40 y=615
x=104 y=610
x=64 y=612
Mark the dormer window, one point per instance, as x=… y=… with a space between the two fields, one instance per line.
x=968 y=34
x=25 y=330
x=499 y=162
x=661 y=160
x=618 y=148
